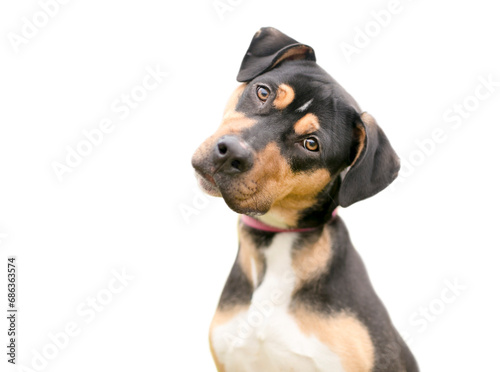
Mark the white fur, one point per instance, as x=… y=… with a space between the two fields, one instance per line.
x=266 y=338
x=305 y=106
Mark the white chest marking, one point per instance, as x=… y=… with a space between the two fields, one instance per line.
x=265 y=337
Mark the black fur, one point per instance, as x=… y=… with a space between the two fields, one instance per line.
x=360 y=167
x=237 y=290
x=267 y=46
x=337 y=111
x=346 y=287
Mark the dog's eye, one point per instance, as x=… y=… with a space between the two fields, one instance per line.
x=311 y=144
x=262 y=93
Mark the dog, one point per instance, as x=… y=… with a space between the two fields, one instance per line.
x=293 y=146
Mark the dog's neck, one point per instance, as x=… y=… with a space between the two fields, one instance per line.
x=276 y=225
x=270 y=219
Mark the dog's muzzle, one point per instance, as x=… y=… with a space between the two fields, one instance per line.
x=217 y=168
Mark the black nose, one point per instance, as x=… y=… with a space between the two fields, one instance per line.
x=232 y=156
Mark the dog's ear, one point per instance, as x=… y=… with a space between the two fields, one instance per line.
x=375 y=164
x=268 y=48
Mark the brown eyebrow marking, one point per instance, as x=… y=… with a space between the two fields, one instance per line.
x=307 y=124
x=284 y=96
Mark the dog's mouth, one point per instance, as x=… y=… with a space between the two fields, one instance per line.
x=231 y=170
x=238 y=195
x=207 y=183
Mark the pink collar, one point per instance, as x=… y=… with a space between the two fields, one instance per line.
x=258 y=225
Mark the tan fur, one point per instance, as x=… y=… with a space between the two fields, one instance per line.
x=234 y=98
x=271 y=184
x=344 y=334
x=222 y=316
x=307 y=124
x=312 y=260
x=281 y=217
x=360 y=133
x=218 y=365
x=367 y=118
x=284 y=96
x=298 y=52
x=248 y=253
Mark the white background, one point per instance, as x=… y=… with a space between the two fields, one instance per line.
x=121 y=207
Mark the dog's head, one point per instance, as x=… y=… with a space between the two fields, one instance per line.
x=293 y=144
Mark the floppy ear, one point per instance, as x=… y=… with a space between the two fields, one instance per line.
x=375 y=163
x=268 y=48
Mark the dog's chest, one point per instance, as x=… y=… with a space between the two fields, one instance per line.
x=265 y=336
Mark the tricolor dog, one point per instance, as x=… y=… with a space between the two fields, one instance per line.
x=293 y=145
